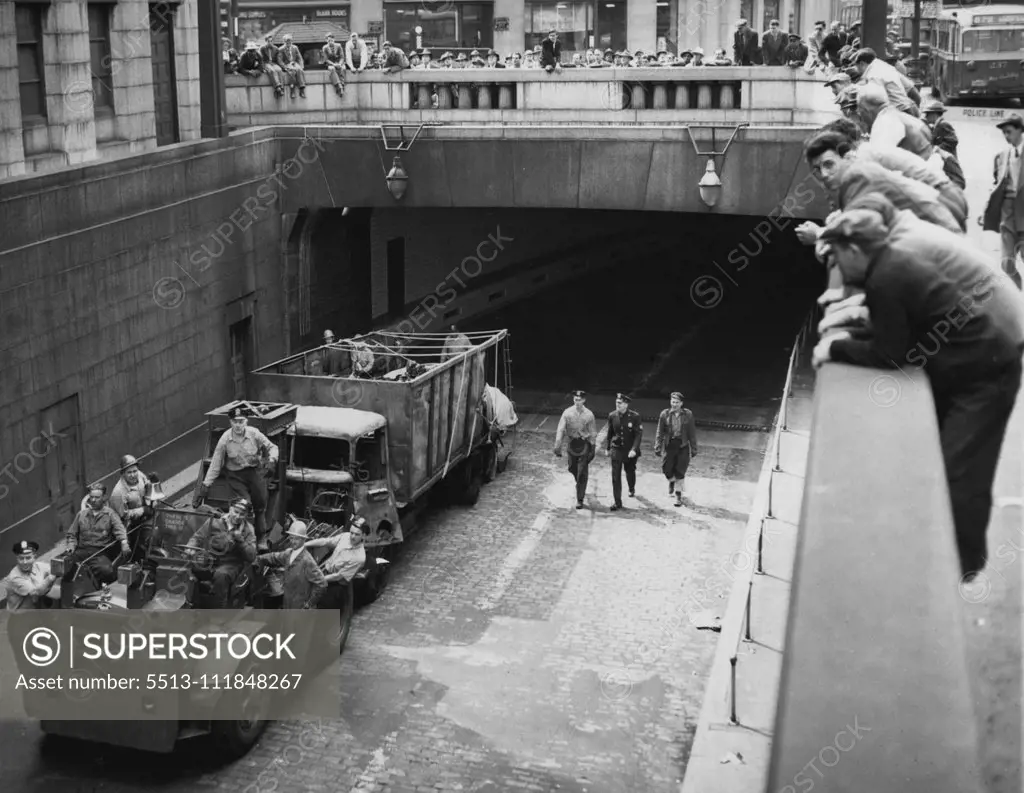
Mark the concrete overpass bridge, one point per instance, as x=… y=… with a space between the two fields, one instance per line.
x=138 y=291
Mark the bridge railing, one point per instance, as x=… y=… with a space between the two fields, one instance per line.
x=728 y=94
x=875 y=693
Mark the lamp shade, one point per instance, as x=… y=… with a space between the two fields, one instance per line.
x=397 y=179
x=710 y=185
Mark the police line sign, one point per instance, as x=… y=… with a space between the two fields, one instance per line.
x=86 y=665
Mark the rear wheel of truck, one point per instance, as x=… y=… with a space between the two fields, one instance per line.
x=236 y=736
x=474 y=482
x=490 y=462
x=377 y=577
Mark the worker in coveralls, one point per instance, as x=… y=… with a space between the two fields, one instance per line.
x=239 y=463
x=578 y=423
x=304 y=582
x=29 y=581
x=621 y=438
x=677 y=440
x=92 y=530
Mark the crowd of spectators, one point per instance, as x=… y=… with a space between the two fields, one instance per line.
x=907 y=289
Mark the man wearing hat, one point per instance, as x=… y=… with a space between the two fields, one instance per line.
x=237 y=466
x=394 y=59
x=943 y=134
x=698 y=57
x=744 y=44
x=621 y=438
x=1005 y=210
x=304 y=582
x=128 y=496
x=578 y=424
x=336 y=359
x=676 y=438
x=230 y=544
x=494 y=60
x=773 y=45
x=29 y=581
x=888 y=126
x=334 y=62
x=868 y=68
x=837 y=82
x=250 y=64
x=911 y=273
x=93 y=529
x=796 y=52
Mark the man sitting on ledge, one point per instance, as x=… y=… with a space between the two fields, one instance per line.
x=936 y=302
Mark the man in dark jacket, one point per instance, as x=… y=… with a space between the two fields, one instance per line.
x=621 y=438
x=796 y=52
x=551 y=53
x=250 y=63
x=832 y=44
x=935 y=302
x=268 y=55
x=744 y=44
x=943 y=134
x=773 y=45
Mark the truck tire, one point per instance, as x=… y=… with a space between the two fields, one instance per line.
x=475 y=476
x=377 y=578
x=234 y=736
x=490 y=462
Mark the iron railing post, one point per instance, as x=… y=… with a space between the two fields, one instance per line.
x=732 y=692
x=750 y=597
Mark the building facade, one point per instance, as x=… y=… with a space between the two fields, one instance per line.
x=512 y=25
x=82 y=80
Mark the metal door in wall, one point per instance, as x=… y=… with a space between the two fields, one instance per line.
x=165 y=95
x=65 y=481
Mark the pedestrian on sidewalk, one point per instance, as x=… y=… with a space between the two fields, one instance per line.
x=677 y=439
x=621 y=440
x=578 y=424
x=1005 y=210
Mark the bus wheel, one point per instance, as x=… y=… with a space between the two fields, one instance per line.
x=242 y=718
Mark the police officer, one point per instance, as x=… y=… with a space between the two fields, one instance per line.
x=621 y=438
x=29 y=581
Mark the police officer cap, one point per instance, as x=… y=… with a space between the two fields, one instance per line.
x=238 y=413
x=579 y=393
x=26 y=546
x=677 y=395
x=241 y=502
x=622 y=397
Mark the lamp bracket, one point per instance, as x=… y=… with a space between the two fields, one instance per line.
x=402 y=143
x=714 y=152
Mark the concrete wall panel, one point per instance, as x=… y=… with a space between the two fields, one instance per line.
x=480 y=173
x=613 y=175
x=547 y=175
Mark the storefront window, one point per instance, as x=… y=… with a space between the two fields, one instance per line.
x=573 y=19
x=457 y=26
x=257 y=19
x=667 y=25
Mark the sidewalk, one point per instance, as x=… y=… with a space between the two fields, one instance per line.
x=727 y=757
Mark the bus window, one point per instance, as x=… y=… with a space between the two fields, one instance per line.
x=992 y=41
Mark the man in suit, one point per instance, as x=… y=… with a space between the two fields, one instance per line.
x=744 y=44
x=621 y=438
x=1005 y=210
x=773 y=45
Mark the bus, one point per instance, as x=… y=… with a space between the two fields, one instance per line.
x=979 y=53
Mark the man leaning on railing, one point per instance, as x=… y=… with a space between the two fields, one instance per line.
x=551 y=53
x=935 y=302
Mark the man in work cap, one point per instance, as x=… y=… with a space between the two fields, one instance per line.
x=621 y=438
x=943 y=134
x=837 y=82
x=29 y=581
x=579 y=425
x=676 y=438
x=227 y=544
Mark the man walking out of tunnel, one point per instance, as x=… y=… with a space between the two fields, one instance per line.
x=578 y=424
x=677 y=439
x=621 y=438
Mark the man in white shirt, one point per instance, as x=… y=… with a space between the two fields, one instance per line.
x=357 y=57
x=348 y=554
x=890 y=127
x=1005 y=210
x=871 y=69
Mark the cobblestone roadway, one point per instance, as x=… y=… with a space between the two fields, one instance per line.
x=521 y=645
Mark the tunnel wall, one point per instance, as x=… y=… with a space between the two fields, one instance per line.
x=451 y=253
x=116 y=293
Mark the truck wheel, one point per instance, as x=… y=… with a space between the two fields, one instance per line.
x=476 y=482
x=377 y=581
x=236 y=736
x=490 y=462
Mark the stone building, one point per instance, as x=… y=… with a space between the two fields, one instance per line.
x=81 y=81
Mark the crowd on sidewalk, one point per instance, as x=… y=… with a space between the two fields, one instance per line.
x=907 y=289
